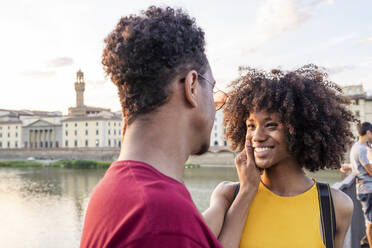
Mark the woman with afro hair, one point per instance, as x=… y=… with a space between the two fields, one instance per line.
x=285 y=123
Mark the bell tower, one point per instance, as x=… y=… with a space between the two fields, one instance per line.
x=79 y=88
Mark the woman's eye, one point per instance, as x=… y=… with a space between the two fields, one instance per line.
x=250 y=126
x=272 y=124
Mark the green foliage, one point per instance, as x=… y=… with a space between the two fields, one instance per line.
x=187 y=166
x=19 y=163
x=81 y=164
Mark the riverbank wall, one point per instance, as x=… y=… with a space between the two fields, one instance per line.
x=214 y=157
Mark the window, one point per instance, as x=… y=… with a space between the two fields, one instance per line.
x=357 y=113
x=97 y=132
x=8 y=127
x=75 y=124
x=97 y=124
x=215 y=134
x=1 y=135
x=16 y=144
x=86 y=124
x=356 y=101
x=25 y=144
x=41 y=144
x=86 y=143
x=16 y=134
x=75 y=143
x=66 y=133
x=109 y=123
x=119 y=143
x=109 y=142
x=109 y=132
x=16 y=127
x=114 y=132
x=8 y=135
x=115 y=142
x=8 y=144
x=86 y=132
x=97 y=142
x=1 y=144
x=66 y=125
x=75 y=133
x=114 y=124
x=66 y=143
x=216 y=143
x=119 y=131
x=225 y=143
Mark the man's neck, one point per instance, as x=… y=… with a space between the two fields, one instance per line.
x=363 y=140
x=160 y=145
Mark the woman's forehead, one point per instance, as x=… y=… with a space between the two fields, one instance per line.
x=263 y=115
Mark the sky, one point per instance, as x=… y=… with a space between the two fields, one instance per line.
x=44 y=43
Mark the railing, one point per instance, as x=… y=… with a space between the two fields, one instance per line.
x=357 y=227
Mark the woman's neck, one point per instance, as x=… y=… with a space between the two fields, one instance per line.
x=286 y=179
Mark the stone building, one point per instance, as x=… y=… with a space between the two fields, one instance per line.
x=218 y=133
x=87 y=126
x=83 y=127
x=362 y=103
x=29 y=129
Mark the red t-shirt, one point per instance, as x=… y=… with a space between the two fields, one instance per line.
x=134 y=205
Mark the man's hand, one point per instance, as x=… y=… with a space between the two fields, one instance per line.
x=345 y=168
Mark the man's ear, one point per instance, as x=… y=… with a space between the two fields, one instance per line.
x=191 y=82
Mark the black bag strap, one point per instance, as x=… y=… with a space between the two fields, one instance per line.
x=327 y=214
x=236 y=190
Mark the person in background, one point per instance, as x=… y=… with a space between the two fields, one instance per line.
x=165 y=85
x=361 y=164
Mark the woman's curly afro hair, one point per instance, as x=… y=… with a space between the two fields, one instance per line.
x=143 y=53
x=309 y=105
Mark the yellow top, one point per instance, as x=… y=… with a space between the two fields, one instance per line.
x=283 y=222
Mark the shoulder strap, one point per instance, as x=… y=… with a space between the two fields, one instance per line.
x=327 y=214
x=236 y=190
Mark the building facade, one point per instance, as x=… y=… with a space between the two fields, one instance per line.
x=361 y=102
x=218 y=131
x=84 y=126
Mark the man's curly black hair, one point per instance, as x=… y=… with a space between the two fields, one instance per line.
x=312 y=109
x=145 y=52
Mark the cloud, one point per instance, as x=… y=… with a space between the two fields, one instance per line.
x=96 y=83
x=39 y=74
x=341 y=39
x=60 y=62
x=367 y=40
x=340 y=68
x=276 y=17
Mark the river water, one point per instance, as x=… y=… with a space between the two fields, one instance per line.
x=44 y=207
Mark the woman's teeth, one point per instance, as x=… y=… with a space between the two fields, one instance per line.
x=262 y=149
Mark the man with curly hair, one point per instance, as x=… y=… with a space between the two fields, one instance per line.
x=289 y=121
x=165 y=85
x=361 y=166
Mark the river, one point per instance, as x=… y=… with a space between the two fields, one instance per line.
x=44 y=207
